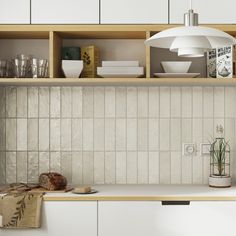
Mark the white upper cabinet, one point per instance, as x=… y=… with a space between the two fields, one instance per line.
x=14 y=11
x=65 y=11
x=134 y=12
x=210 y=11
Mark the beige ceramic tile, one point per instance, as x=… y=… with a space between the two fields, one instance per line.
x=88 y=133
x=33 y=167
x=77 y=135
x=33 y=102
x=22 y=102
x=186 y=102
x=142 y=134
x=219 y=102
x=175 y=106
x=110 y=168
x=21 y=134
x=10 y=102
x=99 y=102
x=77 y=168
x=33 y=135
x=110 y=101
x=153 y=134
x=10 y=167
x=164 y=134
x=230 y=97
x=142 y=102
x=88 y=167
x=55 y=102
x=176 y=167
x=99 y=168
x=2 y=134
x=208 y=99
x=110 y=134
x=165 y=168
x=2 y=102
x=66 y=102
x=77 y=101
x=44 y=96
x=55 y=134
x=121 y=168
x=132 y=126
x=43 y=134
x=143 y=167
x=99 y=134
x=22 y=170
x=132 y=167
x=132 y=102
x=175 y=135
x=198 y=169
x=44 y=162
x=66 y=165
x=88 y=102
x=121 y=135
x=2 y=167
x=164 y=102
x=121 y=103
x=197 y=102
x=10 y=134
x=153 y=102
x=65 y=134
x=154 y=174
x=187 y=169
x=55 y=162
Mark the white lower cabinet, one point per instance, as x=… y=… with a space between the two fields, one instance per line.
x=151 y=218
x=63 y=218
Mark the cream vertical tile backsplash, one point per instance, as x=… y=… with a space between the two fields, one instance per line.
x=112 y=135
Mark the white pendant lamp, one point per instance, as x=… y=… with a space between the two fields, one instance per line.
x=191 y=40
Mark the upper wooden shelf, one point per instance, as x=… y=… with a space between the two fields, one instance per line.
x=117 y=81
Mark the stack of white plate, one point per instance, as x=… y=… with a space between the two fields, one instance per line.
x=120 y=69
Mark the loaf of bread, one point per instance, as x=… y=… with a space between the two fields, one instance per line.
x=52 y=181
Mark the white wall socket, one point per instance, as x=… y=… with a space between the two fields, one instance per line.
x=188 y=149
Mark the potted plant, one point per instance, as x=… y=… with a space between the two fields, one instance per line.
x=220 y=162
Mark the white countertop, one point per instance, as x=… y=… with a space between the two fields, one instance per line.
x=148 y=192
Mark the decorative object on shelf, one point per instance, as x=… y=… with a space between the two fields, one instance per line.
x=120 y=69
x=71 y=53
x=84 y=190
x=191 y=40
x=220 y=62
x=176 y=75
x=39 y=68
x=90 y=56
x=72 y=68
x=176 y=66
x=220 y=161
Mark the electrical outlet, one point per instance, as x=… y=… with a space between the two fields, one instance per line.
x=205 y=148
x=188 y=149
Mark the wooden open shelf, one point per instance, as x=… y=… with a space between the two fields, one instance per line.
x=57 y=33
x=117 y=81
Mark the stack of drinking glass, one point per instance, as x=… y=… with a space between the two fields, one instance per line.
x=24 y=66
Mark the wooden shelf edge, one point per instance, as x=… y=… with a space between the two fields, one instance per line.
x=117 y=81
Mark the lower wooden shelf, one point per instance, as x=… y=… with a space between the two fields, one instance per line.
x=117 y=81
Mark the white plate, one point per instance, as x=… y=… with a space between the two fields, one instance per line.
x=91 y=192
x=120 y=75
x=176 y=75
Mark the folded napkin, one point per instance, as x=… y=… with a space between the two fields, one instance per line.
x=20 y=209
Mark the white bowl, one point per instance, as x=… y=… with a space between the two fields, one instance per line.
x=176 y=66
x=72 y=68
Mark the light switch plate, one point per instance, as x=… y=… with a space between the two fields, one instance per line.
x=205 y=148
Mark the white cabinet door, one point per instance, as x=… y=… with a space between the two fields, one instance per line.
x=153 y=218
x=14 y=11
x=134 y=12
x=65 y=11
x=63 y=218
x=210 y=11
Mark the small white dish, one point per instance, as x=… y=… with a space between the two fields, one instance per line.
x=91 y=192
x=72 y=68
x=176 y=75
x=176 y=66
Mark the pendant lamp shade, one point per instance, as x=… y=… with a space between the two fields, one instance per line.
x=191 y=40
